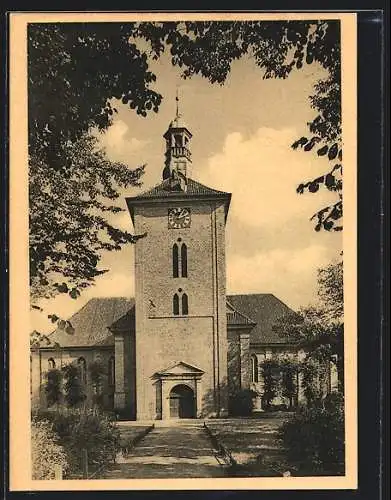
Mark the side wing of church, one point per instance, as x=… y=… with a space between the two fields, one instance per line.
x=181 y=347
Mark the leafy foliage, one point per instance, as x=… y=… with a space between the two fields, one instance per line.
x=331 y=290
x=73 y=387
x=81 y=66
x=47 y=453
x=289 y=370
x=279 y=379
x=69 y=225
x=315 y=438
x=39 y=340
x=241 y=403
x=85 y=67
x=98 y=374
x=271 y=381
x=53 y=387
x=319 y=330
x=278 y=48
x=73 y=186
x=91 y=430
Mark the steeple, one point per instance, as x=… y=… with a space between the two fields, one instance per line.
x=177 y=155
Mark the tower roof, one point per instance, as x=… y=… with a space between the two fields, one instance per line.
x=194 y=191
x=178 y=122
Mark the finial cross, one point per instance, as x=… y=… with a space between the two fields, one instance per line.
x=177 y=102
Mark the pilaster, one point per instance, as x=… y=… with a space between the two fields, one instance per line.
x=119 y=395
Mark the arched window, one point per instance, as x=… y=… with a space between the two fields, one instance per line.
x=175 y=261
x=112 y=370
x=184 y=260
x=254 y=368
x=82 y=369
x=51 y=364
x=185 y=305
x=175 y=305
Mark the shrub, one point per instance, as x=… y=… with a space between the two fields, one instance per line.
x=315 y=437
x=97 y=375
x=289 y=382
x=47 y=453
x=271 y=372
x=88 y=429
x=242 y=403
x=73 y=388
x=53 y=387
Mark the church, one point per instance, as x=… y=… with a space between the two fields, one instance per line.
x=181 y=346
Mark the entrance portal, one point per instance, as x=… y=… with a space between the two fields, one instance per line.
x=182 y=402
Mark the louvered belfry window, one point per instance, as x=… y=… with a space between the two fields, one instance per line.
x=175 y=261
x=184 y=260
x=179 y=261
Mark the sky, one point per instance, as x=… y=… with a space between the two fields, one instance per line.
x=242 y=132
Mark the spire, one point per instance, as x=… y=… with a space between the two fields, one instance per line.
x=178 y=155
x=177 y=102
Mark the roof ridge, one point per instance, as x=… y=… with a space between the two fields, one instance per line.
x=205 y=186
x=247 y=294
x=143 y=193
x=157 y=189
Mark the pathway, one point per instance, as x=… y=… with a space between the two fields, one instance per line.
x=176 y=451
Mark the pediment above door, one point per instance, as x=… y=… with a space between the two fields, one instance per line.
x=180 y=368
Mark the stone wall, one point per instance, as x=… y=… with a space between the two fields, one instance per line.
x=199 y=338
x=40 y=367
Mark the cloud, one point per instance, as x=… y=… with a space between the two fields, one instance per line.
x=111 y=284
x=262 y=172
x=119 y=144
x=290 y=275
x=271 y=244
x=120 y=284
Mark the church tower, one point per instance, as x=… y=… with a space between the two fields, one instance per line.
x=177 y=155
x=180 y=291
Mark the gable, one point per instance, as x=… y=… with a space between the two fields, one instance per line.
x=237 y=319
x=180 y=368
x=194 y=190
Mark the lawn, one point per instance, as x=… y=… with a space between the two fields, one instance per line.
x=253 y=443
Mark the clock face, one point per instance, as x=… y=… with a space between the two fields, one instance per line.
x=179 y=218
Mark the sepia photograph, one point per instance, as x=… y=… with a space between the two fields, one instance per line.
x=184 y=203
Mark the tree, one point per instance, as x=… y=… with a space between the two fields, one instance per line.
x=70 y=210
x=73 y=388
x=271 y=375
x=73 y=186
x=288 y=381
x=320 y=329
x=85 y=67
x=53 y=387
x=278 y=48
x=81 y=66
x=97 y=374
